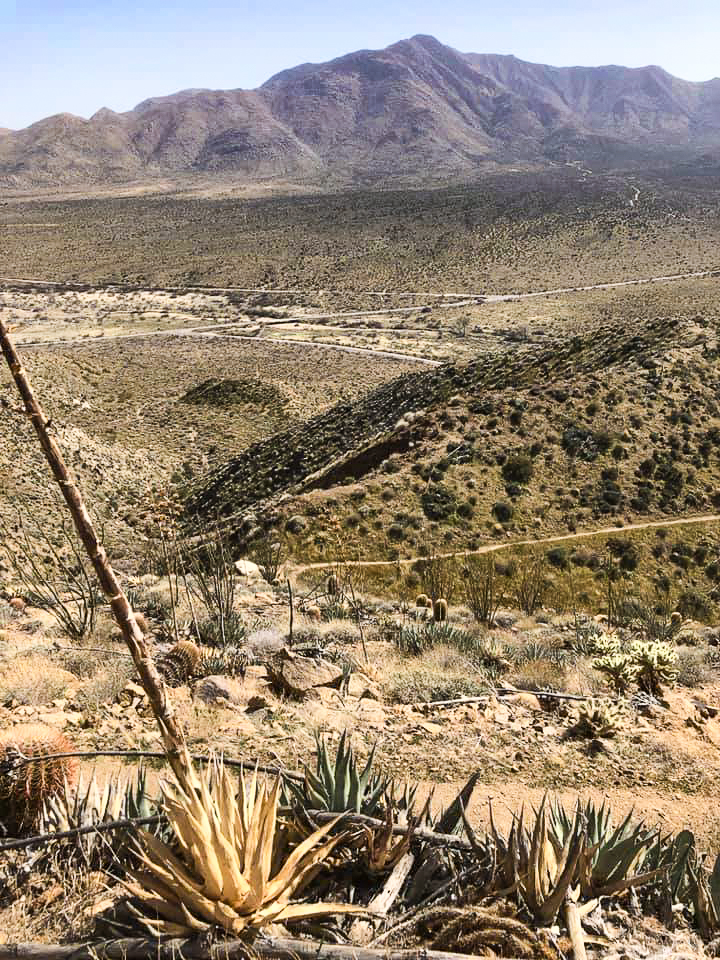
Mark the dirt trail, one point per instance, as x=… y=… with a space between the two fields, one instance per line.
x=494 y=547
x=211 y=333
x=433 y=294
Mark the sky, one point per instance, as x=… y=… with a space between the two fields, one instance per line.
x=77 y=56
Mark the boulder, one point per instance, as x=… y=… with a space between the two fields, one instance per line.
x=249 y=571
x=219 y=691
x=299 y=675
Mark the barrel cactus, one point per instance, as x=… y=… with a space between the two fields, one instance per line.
x=25 y=787
x=180 y=663
x=440 y=610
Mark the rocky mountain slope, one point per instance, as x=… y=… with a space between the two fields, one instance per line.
x=616 y=424
x=417 y=109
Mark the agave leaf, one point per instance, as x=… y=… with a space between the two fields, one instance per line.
x=452 y=819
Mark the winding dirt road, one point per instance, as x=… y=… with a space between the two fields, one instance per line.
x=509 y=544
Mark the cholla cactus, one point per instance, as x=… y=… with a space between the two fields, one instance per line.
x=655 y=664
x=607 y=644
x=620 y=670
x=599 y=718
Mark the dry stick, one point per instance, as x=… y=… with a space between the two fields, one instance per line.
x=159 y=755
x=170 y=729
x=505 y=692
x=280 y=948
x=322 y=816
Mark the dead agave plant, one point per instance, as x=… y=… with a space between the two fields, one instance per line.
x=384 y=848
x=231 y=872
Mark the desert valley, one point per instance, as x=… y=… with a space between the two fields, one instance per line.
x=390 y=389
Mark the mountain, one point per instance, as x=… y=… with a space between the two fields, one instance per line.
x=417 y=109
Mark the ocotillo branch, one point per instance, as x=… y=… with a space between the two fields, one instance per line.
x=170 y=729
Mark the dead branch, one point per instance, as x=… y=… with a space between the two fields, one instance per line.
x=170 y=729
x=280 y=948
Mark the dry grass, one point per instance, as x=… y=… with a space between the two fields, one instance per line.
x=34 y=681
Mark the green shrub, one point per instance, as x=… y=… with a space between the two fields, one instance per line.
x=518 y=468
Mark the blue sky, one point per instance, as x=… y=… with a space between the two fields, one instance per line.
x=80 y=55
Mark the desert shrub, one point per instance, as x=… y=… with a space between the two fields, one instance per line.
x=503 y=511
x=438 y=576
x=438 y=502
x=695 y=604
x=692 y=670
x=624 y=551
x=530 y=583
x=518 y=468
x=32 y=681
x=105 y=686
x=485 y=590
x=558 y=557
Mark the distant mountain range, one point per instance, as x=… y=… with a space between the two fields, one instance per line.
x=417 y=110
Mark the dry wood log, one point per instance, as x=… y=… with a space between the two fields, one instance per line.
x=449 y=840
x=279 y=948
x=170 y=728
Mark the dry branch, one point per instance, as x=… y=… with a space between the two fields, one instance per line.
x=280 y=948
x=170 y=729
x=320 y=816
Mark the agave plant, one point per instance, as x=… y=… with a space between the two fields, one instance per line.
x=614 y=858
x=229 y=873
x=91 y=804
x=339 y=785
x=534 y=864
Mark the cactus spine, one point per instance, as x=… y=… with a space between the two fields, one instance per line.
x=26 y=787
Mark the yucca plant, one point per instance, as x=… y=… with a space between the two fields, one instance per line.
x=339 y=784
x=230 y=872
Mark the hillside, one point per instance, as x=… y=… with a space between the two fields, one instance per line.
x=417 y=109
x=612 y=425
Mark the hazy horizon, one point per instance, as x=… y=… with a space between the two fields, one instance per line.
x=92 y=55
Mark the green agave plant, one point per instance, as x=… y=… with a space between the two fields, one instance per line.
x=339 y=784
x=90 y=804
x=614 y=857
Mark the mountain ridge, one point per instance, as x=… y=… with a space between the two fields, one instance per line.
x=416 y=109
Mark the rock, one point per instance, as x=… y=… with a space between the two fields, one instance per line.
x=527 y=700
x=298 y=675
x=18 y=604
x=359 y=686
x=217 y=690
x=256 y=703
x=249 y=571
x=296 y=524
